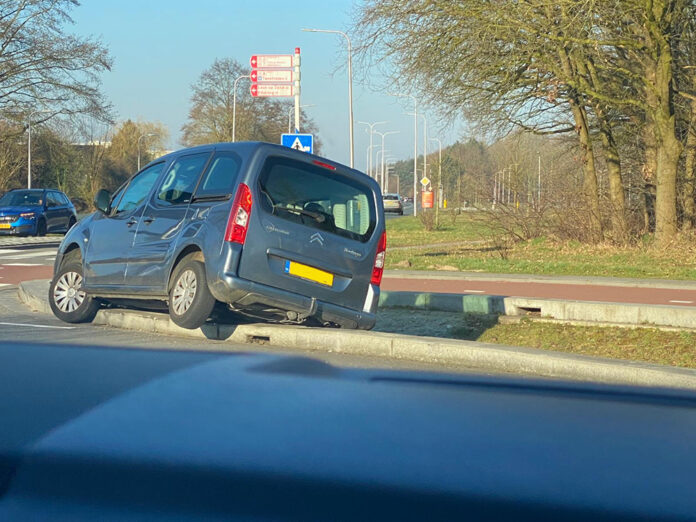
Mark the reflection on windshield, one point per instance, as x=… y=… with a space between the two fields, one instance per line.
x=21 y=199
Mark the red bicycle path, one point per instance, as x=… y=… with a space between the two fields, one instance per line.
x=673 y=293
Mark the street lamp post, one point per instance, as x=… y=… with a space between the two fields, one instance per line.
x=290 y=111
x=350 y=84
x=234 y=106
x=31 y=114
x=371 y=131
x=381 y=163
x=539 y=181
x=439 y=170
x=439 y=182
x=148 y=135
x=369 y=158
x=415 y=147
x=383 y=134
x=425 y=144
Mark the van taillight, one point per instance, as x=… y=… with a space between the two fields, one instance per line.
x=378 y=268
x=238 y=221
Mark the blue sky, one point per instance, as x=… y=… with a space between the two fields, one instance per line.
x=160 y=49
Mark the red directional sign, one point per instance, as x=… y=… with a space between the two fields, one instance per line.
x=271 y=76
x=271 y=89
x=271 y=61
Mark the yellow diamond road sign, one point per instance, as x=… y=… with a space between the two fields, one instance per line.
x=425 y=181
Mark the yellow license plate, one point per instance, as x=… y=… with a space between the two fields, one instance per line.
x=4 y=225
x=309 y=272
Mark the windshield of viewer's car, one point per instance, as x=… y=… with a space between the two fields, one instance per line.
x=22 y=198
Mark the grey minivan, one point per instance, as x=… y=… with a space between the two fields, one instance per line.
x=259 y=227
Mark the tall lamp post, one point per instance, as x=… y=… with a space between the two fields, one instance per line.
x=371 y=131
x=350 y=84
x=439 y=170
x=369 y=158
x=31 y=115
x=415 y=147
x=234 y=105
x=148 y=135
x=383 y=134
x=290 y=111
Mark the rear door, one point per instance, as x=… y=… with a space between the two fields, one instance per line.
x=312 y=231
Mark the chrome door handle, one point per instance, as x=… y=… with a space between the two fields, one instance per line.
x=148 y=220
x=131 y=222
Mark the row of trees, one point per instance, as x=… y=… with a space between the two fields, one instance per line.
x=259 y=119
x=50 y=79
x=618 y=75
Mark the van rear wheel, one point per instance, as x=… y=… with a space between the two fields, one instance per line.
x=190 y=301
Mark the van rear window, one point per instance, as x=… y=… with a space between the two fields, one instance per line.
x=317 y=197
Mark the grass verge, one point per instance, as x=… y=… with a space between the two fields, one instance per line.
x=538 y=256
x=641 y=344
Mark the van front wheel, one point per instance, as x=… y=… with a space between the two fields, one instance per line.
x=190 y=301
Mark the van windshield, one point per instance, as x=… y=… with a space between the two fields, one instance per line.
x=317 y=197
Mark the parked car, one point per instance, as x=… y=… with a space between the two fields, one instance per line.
x=392 y=203
x=262 y=228
x=35 y=212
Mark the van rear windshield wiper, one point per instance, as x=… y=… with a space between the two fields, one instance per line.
x=319 y=217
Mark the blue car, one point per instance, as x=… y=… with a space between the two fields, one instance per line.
x=35 y=212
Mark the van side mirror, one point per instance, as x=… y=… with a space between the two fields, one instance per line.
x=102 y=201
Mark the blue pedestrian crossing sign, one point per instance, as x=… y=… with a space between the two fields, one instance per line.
x=303 y=142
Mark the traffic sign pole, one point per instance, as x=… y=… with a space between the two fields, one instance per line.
x=297 y=89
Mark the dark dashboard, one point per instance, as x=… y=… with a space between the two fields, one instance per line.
x=121 y=434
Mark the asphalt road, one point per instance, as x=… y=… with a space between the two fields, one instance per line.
x=35 y=261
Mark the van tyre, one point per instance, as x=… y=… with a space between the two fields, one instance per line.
x=190 y=301
x=67 y=299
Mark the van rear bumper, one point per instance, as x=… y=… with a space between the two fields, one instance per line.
x=241 y=293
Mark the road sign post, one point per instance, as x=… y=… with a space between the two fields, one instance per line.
x=271 y=61
x=303 y=142
x=265 y=90
x=277 y=75
x=297 y=89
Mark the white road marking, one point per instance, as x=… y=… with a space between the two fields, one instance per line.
x=675 y=301
x=23 y=264
x=9 y=251
x=28 y=255
x=40 y=326
x=475 y=291
x=4 y=284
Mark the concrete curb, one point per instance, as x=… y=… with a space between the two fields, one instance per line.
x=595 y=311
x=482 y=356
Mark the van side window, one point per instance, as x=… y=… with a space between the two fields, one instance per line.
x=138 y=188
x=180 y=181
x=221 y=177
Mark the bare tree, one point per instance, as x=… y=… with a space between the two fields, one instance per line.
x=41 y=65
x=211 y=113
